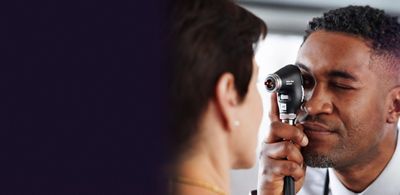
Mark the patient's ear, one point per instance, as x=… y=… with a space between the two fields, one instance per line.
x=226 y=98
x=394 y=105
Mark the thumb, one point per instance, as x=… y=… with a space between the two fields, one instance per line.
x=274 y=112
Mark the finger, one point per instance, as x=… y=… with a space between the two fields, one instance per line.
x=274 y=112
x=283 y=150
x=299 y=183
x=277 y=169
x=301 y=128
x=281 y=131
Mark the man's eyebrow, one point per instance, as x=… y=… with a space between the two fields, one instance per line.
x=302 y=66
x=342 y=74
x=333 y=73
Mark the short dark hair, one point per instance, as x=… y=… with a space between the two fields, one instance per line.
x=208 y=38
x=380 y=30
x=364 y=21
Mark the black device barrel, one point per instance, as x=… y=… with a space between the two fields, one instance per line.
x=288 y=186
x=288 y=83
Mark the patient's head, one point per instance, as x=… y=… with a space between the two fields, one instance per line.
x=214 y=71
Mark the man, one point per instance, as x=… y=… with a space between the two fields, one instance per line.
x=346 y=140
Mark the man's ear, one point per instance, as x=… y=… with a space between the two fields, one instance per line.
x=227 y=99
x=394 y=105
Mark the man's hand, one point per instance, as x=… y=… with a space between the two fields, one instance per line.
x=280 y=154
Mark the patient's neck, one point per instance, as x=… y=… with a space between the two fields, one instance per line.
x=207 y=161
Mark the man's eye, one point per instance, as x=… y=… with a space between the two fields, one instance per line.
x=342 y=86
x=308 y=82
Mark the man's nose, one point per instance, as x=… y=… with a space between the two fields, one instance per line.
x=319 y=103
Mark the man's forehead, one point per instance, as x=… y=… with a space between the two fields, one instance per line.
x=330 y=51
x=334 y=43
x=335 y=36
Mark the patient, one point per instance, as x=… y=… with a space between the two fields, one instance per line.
x=216 y=109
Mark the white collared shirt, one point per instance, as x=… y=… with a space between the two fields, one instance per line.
x=388 y=182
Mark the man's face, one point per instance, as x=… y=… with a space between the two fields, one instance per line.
x=345 y=114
